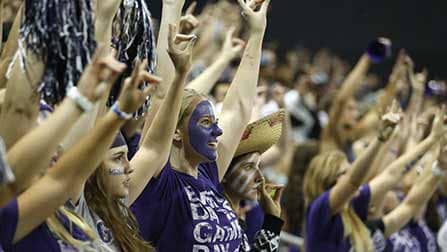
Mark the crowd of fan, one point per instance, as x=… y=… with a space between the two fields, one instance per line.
x=121 y=132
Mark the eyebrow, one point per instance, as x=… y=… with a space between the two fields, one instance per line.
x=118 y=154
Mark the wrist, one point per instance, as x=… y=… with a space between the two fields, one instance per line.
x=257 y=33
x=82 y=102
x=182 y=73
x=121 y=114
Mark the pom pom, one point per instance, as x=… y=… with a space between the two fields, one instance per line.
x=379 y=50
x=61 y=34
x=134 y=40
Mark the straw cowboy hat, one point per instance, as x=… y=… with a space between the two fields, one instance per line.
x=262 y=134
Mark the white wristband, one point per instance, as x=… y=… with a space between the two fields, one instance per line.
x=436 y=171
x=81 y=101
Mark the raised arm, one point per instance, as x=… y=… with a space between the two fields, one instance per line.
x=76 y=165
x=156 y=146
x=230 y=50
x=418 y=196
x=343 y=190
x=347 y=90
x=171 y=13
x=32 y=153
x=105 y=14
x=240 y=99
x=395 y=171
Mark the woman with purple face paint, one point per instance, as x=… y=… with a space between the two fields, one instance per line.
x=183 y=201
x=117 y=183
x=244 y=181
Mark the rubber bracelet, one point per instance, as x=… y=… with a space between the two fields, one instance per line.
x=119 y=113
x=81 y=101
x=436 y=171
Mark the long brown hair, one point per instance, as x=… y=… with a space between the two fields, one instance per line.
x=115 y=214
x=293 y=193
x=320 y=177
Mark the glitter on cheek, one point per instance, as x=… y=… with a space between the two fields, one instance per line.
x=117 y=171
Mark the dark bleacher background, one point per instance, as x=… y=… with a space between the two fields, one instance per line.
x=346 y=26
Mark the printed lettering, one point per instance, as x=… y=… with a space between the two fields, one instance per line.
x=198 y=234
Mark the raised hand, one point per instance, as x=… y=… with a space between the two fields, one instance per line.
x=131 y=97
x=180 y=49
x=257 y=19
x=188 y=22
x=269 y=198
x=232 y=47
x=418 y=80
x=100 y=75
x=389 y=121
x=439 y=128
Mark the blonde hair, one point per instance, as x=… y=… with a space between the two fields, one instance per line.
x=58 y=229
x=189 y=96
x=320 y=177
x=115 y=214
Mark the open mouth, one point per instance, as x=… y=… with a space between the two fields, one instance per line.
x=212 y=145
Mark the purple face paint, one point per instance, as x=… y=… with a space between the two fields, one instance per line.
x=203 y=136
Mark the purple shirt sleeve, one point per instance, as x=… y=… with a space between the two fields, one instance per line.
x=319 y=214
x=361 y=201
x=9 y=217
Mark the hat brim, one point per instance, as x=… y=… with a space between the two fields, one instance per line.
x=262 y=134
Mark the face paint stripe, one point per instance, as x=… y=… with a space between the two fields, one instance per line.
x=117 y=171
x=246 y=182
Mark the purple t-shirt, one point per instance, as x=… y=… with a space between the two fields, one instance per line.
x=324 y=232
x=8 y=222
x=178 y=212
x=254 y=220
x=40 y=239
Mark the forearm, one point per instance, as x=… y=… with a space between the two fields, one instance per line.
x=104 y=21
x=395 y=172
x=416 y=199
x=32 y=153
x=385 y=99
x=376 y=166
x=81 y=127
x=171 y=14
x=416 y=101
x=205 y=82
x=397 y=167
x=76 y=165
x=167 y=116
x=361 y=166
x=352 y=83
x=239 y=100
x=242 y=92
x=155 y=148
